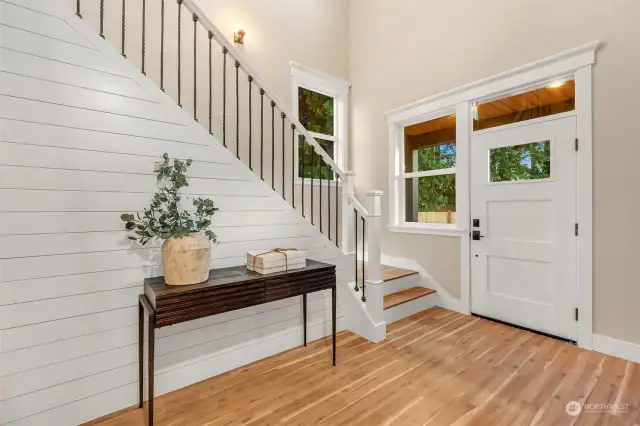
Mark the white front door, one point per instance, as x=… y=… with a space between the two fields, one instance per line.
x=523 y=195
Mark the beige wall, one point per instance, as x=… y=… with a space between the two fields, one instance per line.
x=405 y=50
x=314 y=33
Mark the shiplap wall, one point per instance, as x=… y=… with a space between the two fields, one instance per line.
x=261 y=156
x=80 y=130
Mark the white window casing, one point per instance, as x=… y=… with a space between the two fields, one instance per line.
x=338 y=89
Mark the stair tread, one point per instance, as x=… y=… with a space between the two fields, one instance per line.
x=404 y=296
x=389 y=273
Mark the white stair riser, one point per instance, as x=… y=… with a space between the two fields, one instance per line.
x=409 y=308
x=400 y=284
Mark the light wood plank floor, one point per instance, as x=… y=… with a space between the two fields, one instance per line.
x=435 y=368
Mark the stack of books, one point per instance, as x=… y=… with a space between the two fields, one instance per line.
x=275 y=260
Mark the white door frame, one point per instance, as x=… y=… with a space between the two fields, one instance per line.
x=578 y=63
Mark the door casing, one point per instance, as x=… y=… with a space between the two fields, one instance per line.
x=577 y=62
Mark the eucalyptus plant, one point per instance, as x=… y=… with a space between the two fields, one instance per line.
x=164 y=219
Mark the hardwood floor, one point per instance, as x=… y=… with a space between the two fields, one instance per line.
x=435 y=368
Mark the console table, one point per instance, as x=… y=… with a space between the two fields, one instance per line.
x=226 y=290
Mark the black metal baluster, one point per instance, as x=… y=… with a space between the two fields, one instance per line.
x=102 y=18
x=195 y=68
x=237 y=110
x=250 y=78
x=162 y=45
x=337 y=212
x=224 y=95
x=328 y=201
x=313 y=174
x=304 y=152
x=78 y=8
x=261 y=133
x=210 y=87
x=320 y=190
x=144 y=33
x=355 y=222
x=124 y=8
x=273 y=145
x=293 y=165
x=179 y=51
x=284 y=194
x=364 y=230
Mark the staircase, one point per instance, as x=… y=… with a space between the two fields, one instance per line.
x=210 y=79
x=403 y=293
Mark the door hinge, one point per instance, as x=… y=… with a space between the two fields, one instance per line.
x=576 y=314
x=576 y=144
x=576 y=229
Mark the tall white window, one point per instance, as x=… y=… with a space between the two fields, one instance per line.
x=430 y=171
x=320 y=104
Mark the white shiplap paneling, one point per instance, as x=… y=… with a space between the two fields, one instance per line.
x=80 y=130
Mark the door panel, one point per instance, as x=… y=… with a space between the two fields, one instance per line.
x=523 y=191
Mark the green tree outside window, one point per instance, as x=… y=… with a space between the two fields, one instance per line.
x=316 y=112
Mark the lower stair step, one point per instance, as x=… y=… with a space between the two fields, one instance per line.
x=405 y=296
x=389 y=273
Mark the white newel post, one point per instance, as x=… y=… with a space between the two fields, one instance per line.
x=348 y=243
x=374 y=228
x=375 y=294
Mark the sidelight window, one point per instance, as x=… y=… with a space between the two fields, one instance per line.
x=430 y=171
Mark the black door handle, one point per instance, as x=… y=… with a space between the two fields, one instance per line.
x=476 y=235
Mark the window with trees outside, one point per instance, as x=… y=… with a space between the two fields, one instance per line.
x=430 y=171
x=316 y=113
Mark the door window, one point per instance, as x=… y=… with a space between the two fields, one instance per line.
x=528 y=161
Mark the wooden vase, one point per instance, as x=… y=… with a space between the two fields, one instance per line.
x=185 y=260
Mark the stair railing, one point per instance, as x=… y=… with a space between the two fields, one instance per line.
x=323 y=168
x=362 y=229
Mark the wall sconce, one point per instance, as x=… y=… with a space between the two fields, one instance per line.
x=238 y=37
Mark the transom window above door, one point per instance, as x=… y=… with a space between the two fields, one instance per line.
x=430 y=157
x=555 y=97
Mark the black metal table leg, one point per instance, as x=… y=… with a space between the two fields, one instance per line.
x=304 y=317
x=151 y=315
x=141 y=352
x=151 y=364
x=333 y=322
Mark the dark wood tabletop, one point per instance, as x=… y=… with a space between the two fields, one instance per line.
x=233 y=288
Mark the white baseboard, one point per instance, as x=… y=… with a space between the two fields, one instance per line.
x=620 y=348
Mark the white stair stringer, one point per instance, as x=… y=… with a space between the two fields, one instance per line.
x=366 y=318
